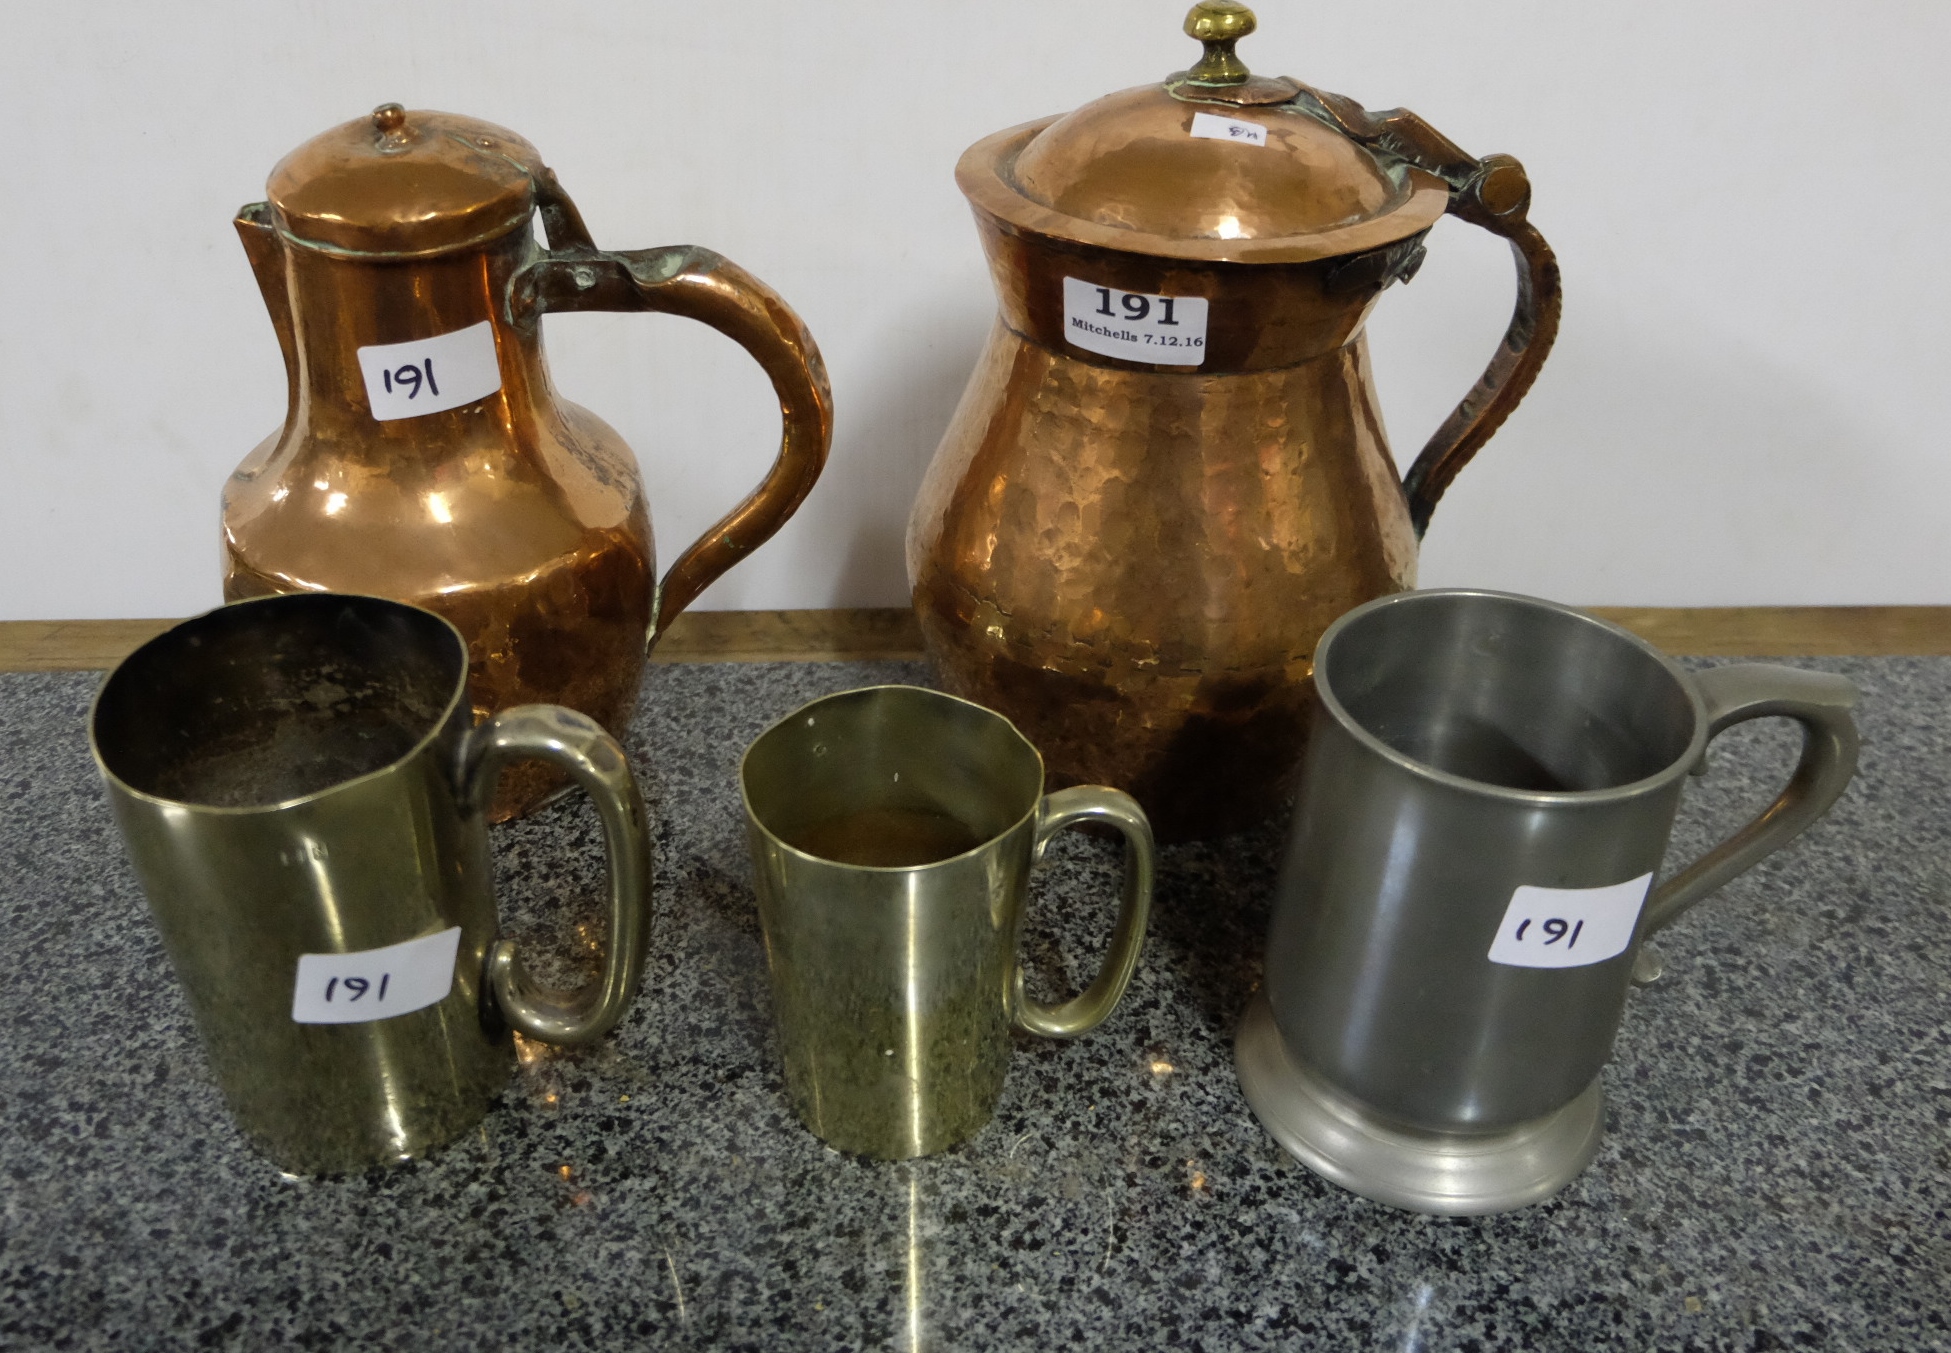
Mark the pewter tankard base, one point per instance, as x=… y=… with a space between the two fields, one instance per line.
x=1485 y=804
x=1449 y=1174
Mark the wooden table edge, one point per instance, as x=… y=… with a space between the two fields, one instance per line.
x=869 y=634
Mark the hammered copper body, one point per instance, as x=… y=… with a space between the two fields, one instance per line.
x=1134 y=561
x=520 y=517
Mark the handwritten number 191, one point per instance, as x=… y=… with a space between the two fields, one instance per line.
x=1555 y=928
x=410 y=376
x=359 y=986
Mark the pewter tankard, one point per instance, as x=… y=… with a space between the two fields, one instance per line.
x=893 y=830
x=302 y=790
x=1489 y=788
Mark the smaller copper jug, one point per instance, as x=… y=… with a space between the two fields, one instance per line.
x=425 y=455
x=1168 y=474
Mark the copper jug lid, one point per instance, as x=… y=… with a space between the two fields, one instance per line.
x=1213 y=164
x=403 y=184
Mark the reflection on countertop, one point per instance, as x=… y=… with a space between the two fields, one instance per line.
x=1776 y=1171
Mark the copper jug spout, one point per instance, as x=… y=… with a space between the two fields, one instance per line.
x=267 y=255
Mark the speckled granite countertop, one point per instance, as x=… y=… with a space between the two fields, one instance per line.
x=1776 y=1171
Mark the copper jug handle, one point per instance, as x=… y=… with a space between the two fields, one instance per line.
x=1494 y=193
x=698 y=284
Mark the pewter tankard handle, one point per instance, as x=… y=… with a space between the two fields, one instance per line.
x=698 y=284
x=1083 y=1013
x=1494 y=193
x=1821 y=703
x=576 y=744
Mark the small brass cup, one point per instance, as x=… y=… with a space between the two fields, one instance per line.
x=893 y=830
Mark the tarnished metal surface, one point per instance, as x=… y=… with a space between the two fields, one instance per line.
x=1134 y=561
x=893 y=831
x=1219 y=24
x=301 y=775
x=520 y=517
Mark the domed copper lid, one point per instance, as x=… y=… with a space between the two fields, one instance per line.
x=1215 y=164
x=405 y=183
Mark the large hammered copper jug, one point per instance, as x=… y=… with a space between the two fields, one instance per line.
x=425 y=455
x=1168 y=474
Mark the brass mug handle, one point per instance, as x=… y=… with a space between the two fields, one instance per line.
x=698 y=284
x=1821 y=702
x=576 y=744
x=1494 y=193
x=1082 y=1013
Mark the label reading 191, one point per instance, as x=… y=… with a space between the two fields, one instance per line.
x=1135 y=325
x=430 y=375
x=1568 y=927
x=375 y=983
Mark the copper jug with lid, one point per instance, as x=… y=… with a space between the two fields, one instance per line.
x=425 y=455
x=1168 y=473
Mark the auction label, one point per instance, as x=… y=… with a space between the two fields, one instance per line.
x=375 y=983
x=1228 y=129
x=1569 y=927
x=1167 y=330
x=429 y=375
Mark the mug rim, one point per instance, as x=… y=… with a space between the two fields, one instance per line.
x=752 y=816
x=456 y=697
x=1696 y=742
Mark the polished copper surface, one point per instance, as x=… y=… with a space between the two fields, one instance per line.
x=520 y=517
x=1126 y=161
x=1134 y=570
x=396 y=182
x=1134 y=561
x=1124 y=172
x=1226 y=214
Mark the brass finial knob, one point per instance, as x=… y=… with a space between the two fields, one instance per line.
x=1219 y=24
x=389 y=117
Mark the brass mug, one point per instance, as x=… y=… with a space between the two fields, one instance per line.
x=893 y=831
x=302 y=789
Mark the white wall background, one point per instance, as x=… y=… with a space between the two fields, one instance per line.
x=1747 y=403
